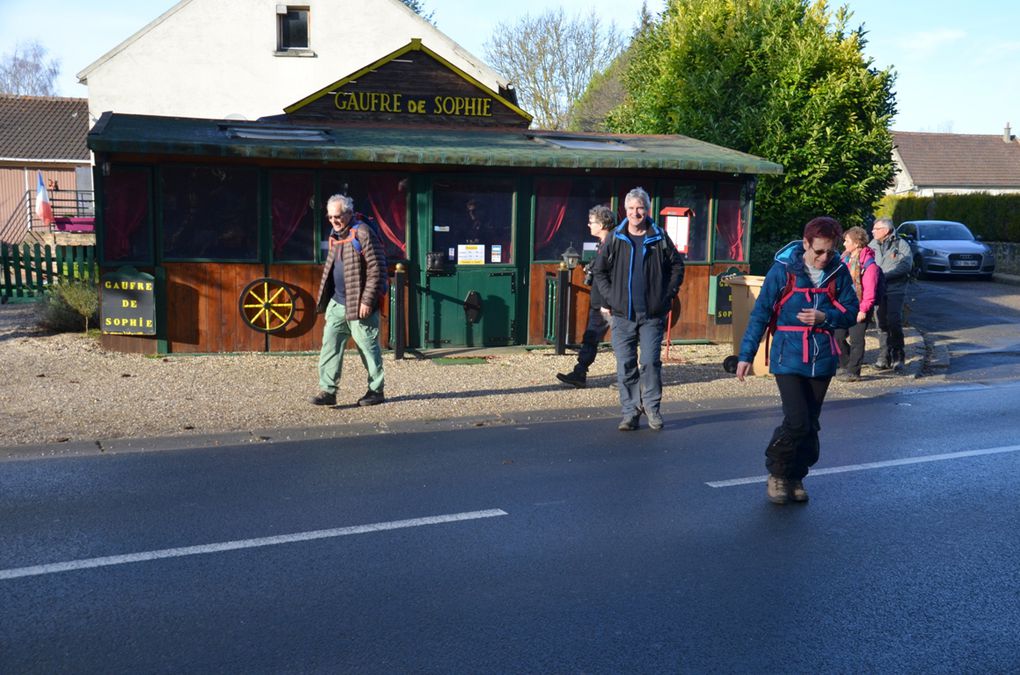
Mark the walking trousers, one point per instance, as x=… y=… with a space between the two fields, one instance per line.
x=890 y=326
x=594 y=333
x=851 y=346
x=794 y=448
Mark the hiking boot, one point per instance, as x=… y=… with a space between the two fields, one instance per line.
x=899 y=362
x=574 y=379
x=797 y=491
x=840 y=371
x=777 y=490
x=882 y=363
x=852 y=377
x=629 y=423
x=324 y=398
x=655 y=422
x=372 y=398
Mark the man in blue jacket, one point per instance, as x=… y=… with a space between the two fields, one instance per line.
x=638 y=272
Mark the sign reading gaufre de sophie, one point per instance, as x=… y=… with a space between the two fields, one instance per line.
x=129 y=302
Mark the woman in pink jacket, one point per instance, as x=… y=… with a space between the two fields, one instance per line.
x=860 y=260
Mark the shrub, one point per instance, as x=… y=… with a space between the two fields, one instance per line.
x=993 y=217
x=69 y=306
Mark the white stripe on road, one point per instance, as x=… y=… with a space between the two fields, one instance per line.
x=875 y=465
x=87 y=563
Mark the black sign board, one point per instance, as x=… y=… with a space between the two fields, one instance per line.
x=129 y=302
x=724 y=297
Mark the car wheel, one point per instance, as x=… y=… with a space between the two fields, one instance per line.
x=918 y=271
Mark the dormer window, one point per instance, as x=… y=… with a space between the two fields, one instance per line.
x=292 y=31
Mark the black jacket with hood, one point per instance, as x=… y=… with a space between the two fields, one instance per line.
x=663 y=270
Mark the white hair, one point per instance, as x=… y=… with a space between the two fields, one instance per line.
x=640 y=194
x=346 y=203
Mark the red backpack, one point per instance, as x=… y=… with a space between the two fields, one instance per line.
x=789 y=290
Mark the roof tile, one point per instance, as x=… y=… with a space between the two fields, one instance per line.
x=43 y=127
x=959 y=160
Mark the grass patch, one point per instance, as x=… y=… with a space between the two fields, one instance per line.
x=459 y=360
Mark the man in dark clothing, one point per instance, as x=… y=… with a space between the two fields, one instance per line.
x=638 y=273
x=892 y=254
x=600 y=222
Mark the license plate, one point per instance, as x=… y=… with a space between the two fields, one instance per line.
x=966 y=263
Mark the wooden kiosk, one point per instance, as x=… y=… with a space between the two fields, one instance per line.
x=474 y=203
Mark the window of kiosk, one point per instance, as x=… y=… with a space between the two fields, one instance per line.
x=292 y=214
x=209 y=213
x=472 y=220
x=561 y=215
x=127 y=222
x=731 y=223
x=694 y=196
x=381 y=200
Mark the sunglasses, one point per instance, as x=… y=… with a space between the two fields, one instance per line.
x=827 y=251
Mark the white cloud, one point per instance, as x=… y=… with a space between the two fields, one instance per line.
x=925 y=43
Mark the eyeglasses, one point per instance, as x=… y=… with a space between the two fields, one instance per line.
x=340 y=217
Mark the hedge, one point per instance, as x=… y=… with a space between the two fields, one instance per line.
x=992 y=217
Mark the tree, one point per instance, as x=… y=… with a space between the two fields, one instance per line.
x=550 y=60
x=606 y=90
x=419 y=8
x=782 y=79
x=26 y=71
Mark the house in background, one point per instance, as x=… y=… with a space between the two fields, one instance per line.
x=929 y=164
x=43 y=134
x=246 y=59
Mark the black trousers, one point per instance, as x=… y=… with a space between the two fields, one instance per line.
x=594 y=333
x=794 y=446
x=890 y=327
x=851 y=346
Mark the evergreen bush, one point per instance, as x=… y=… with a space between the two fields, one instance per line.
x=69 y=306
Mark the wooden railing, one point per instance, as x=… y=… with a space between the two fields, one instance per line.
x=29 y=270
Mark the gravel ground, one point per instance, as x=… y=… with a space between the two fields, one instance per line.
x=65 y=387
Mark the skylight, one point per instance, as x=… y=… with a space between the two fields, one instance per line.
x=587 y=143
x=277 y=134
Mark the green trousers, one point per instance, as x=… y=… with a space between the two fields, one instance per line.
x=334 y=337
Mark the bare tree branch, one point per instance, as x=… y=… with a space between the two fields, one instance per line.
x=26 y=71
x=550 y=59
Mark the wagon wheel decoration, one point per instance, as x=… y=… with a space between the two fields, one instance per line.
x=267 y=305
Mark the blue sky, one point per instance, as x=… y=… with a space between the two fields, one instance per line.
x=957 y=63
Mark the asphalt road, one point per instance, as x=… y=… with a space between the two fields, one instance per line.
x=559 y=547
x=978 y=321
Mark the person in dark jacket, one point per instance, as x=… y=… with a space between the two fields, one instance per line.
x=349 y=293
x=600 y=222
x=893 y=255
x=807 y=294
x=638 y=272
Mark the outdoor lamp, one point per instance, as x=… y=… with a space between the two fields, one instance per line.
x=571 y=257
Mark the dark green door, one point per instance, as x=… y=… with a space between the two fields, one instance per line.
x=470 y=271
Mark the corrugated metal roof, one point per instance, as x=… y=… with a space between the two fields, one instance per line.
x=43 y=128
x=959 y=160
x=418 y=145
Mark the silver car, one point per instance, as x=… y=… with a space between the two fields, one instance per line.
x=945 y=247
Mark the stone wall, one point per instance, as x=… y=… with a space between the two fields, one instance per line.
x=1007 y=257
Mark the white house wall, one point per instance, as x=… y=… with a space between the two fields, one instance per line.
x=217 y=58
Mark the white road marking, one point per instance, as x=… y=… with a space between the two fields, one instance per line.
x=875 y=465
x=71 y=565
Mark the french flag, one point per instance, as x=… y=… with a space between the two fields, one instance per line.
x=43 y=209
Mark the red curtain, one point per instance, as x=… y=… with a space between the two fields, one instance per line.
x=388 y=203
x=550 y=208
x=292 y=197
x=126 y=209
x=729 y=224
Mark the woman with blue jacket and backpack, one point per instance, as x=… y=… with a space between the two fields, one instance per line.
x=807 y=295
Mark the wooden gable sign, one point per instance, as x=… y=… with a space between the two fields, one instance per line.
x=413 y=85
